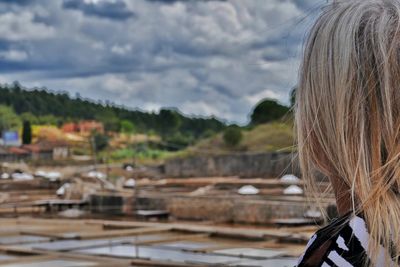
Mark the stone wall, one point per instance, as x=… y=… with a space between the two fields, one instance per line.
x=204 y=208
x=243 y=165
x=234 y=210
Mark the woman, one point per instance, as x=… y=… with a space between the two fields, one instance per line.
x=348 y=126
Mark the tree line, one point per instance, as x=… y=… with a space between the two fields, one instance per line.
x=41 y=106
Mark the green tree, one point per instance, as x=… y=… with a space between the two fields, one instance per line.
x=27 y=133
x=27 y=116
x=233 y=136
x=178 y=141
x=293 y=96
x=8 y=119
x=169 y=122
x=127 y=127
x=109 y=119
x=100 y=141
x=268 y=110
x=208 y=133
x=48 y=120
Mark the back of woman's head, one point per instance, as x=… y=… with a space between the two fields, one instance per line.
x=348 y=111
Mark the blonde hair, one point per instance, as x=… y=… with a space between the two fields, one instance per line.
x=348 y=112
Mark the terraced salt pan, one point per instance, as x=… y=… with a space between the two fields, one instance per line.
x=66 y=245
x=52 y=263
x=130 y=251
x=185 y=245
x=22 y=239
x=4 y=257
x=281 y=262
x=251 y=252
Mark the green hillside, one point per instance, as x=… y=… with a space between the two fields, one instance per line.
x=274 y=136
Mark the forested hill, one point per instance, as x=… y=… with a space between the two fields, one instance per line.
x=62 y=107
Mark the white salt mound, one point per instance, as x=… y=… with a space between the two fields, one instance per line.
x=129 y=168
x=95 y=174
x=248 y=190
x=53 y=176
x=290 y=178
x=5 y=176
x=41 y=173
x=62 y=190
x=130 y=183
x=72 y=213
x=201 y=191
x=312 y=213
x=293 y=190
x=22 y=176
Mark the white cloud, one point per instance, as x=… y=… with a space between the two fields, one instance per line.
x=121 y=49
x=20 y=26
x=151 y=106
x=14 y=55
x=255 y=98
x=201 y=107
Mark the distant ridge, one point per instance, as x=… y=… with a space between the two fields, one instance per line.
x=42 y=102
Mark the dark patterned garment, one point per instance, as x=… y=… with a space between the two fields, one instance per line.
x=344 y=242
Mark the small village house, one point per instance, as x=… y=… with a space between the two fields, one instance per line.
x=83 y=127
x=7 y=156
x=48 y=150
x=17 y=153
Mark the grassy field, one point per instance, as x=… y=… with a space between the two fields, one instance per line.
x=271 y=137
x=276 y=136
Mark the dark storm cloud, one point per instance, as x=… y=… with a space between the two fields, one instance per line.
x=204 y=57
x=17 y=2
x=174 y=1
x=112 y=10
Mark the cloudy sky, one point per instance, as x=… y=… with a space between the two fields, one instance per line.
x=205 y=57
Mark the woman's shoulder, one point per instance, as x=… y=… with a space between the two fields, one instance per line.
x=341 y=243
